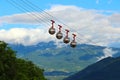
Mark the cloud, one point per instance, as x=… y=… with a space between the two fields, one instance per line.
x=91 y=26
x=108 y=52
x=25 y=18
x=109 y=1
x=25 y=36
x=97 y=1
x=115 y=19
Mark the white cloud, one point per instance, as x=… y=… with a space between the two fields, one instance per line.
x=25 y=36
x=25 y=18
x=115 y=19
x=108 y=52
x=108 y=1
x=87 y=24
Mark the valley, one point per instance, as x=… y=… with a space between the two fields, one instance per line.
x=60 y=62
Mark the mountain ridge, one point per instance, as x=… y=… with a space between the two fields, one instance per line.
x=106 y=69
x=48 y=56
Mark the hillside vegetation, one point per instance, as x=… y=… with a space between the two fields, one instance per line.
x=61 y=62
x=13 y=68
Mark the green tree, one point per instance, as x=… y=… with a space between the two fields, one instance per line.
x=13 y=68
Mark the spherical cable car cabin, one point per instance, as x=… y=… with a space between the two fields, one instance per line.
x=73 y=43
x=59 y=35
x=52 y=29
x=66 y=38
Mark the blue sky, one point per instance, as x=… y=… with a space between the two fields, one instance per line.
x=113 y=5
x=97 y=20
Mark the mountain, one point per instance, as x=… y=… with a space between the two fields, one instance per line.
x=21 y=49
x=106 y=69
x=63 y=61
x=45 y=54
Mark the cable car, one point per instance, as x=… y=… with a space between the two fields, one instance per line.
x=59 y=35
x=73 y=43
x=52 y=29
x=66 y=38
